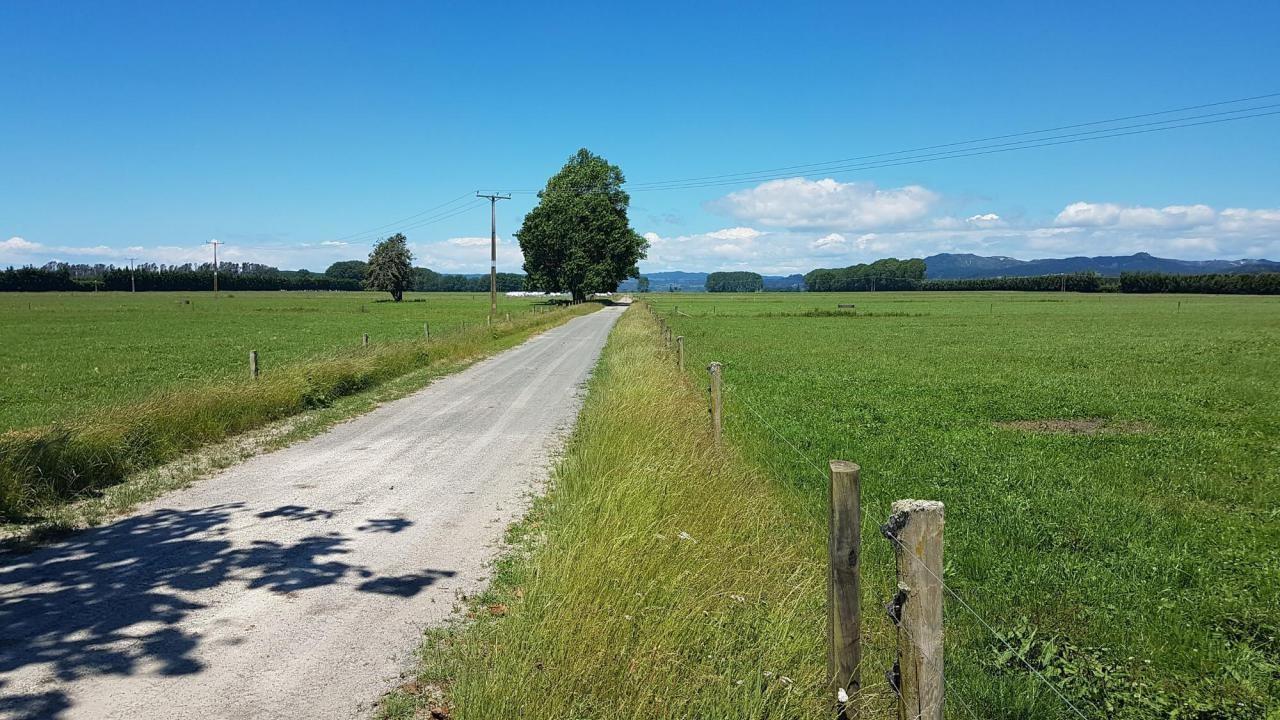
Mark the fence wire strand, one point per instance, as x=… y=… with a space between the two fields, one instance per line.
x=746 y=403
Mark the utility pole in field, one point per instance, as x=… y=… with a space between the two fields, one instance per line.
x=493 y=249
x=215 y=245
x=133 y=287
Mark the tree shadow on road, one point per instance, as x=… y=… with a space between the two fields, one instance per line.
x=111 y=600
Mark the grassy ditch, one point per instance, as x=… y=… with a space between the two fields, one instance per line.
x=660 y=577
x=47 y=466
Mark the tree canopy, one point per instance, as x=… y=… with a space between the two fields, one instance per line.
x=735 y=282
x=391 y=267
x=348 y=270
x=886 y=274
x=578 y=238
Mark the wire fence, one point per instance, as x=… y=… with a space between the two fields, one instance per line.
x=741 y=399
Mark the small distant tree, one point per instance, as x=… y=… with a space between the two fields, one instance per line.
x=642 y=284
x=391 y=267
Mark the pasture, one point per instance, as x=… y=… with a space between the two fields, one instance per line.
x=69 y=354
x=1110 y=466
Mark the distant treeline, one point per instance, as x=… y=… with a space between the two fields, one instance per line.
x=887 y=274
x=735 y=282
x=425 y=280
x=1076 y=282
x=348 y=275
x=1233 y=284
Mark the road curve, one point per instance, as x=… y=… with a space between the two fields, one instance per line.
x=294 y=585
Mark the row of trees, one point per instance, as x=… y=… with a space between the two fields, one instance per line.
x=735 y=282
x=345 y=275
x=1075 y=282
x=69 y=278
x=886 y=274
x=1226 y=284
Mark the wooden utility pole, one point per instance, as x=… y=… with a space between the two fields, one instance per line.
x=493 y=248
x=215 y=244
x=133 y=287
x=915 y=528
x=844 y=589
x=714 y=369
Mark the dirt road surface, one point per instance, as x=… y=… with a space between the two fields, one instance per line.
x=296 y=584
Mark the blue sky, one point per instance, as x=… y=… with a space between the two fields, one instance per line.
x=290 y=131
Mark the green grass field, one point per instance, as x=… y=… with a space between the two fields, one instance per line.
x=1132 y=558
x=66 y=354
x=101 y=386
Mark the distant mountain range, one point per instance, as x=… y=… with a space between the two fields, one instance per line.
x=947 y=266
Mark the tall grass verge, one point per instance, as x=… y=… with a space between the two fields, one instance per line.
x=659 y=578
x=48 y=465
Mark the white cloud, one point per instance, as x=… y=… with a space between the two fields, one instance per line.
x=800 y=203
x=1194 y=232
x=334 y=243
x=1085 y=214
x=830 y=241
x=18 y=244
x=986 y=220
x=735 y=233
x=467 y=255
x=469 y=241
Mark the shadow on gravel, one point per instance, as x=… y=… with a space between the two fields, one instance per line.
x=111 y=600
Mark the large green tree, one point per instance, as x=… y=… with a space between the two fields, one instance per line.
x=578 y=239
x=390 y=267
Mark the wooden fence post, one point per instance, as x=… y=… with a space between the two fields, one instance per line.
x=253 y=364
x=714 y=369
x=844 y=589
x=915 y=528
x=365 y=340
x=680 y=351
x=426 y=330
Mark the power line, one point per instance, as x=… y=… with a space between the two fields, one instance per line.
x=896 y=158
x=888 y=159
x=979 y=140
x=1068 y=138
x=431 y=220
x=405 y=219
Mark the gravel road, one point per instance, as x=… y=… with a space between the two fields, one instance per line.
x=296 y=584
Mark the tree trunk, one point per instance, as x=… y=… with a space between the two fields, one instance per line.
x=578 y=295
x=397 y=295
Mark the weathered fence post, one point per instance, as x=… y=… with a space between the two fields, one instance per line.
x=680 y=351
x=844 y=589
x=714 y=369
x=365 y=340
x=508 y=317
x=426 y=330
x=253 y=364
x=915 y=528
